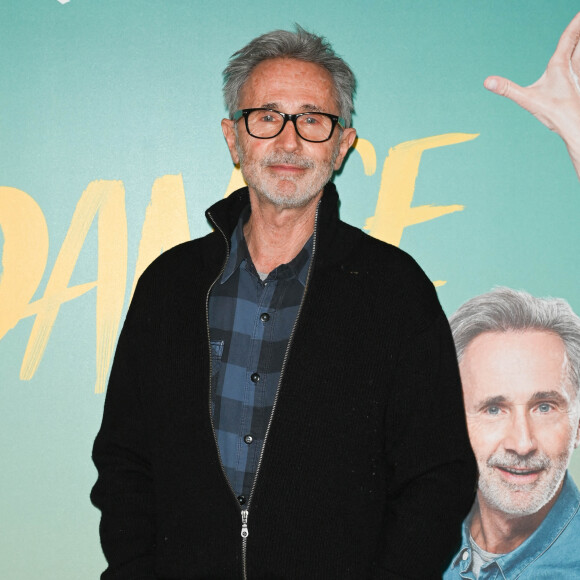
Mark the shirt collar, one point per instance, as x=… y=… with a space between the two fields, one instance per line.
x=239 y=252
x=514 y=562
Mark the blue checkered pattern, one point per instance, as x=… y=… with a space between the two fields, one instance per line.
x=250 y=323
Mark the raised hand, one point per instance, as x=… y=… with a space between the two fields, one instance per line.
x=554 y=98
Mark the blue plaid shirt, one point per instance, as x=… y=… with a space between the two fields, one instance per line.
x=250 y=323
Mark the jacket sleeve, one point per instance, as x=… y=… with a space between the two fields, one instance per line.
x=434 y=474
x=123 y=491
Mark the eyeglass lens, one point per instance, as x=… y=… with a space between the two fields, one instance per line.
x=312 y=126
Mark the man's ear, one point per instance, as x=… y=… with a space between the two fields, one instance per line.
x=229 y=130
x=346 y=141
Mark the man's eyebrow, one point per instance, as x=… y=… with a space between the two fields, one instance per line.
x=554 y=395
x=490 y=401
x=307 y=107
x=313 y=108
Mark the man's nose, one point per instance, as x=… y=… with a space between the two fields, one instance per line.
x=289 y=139
x=520 y=436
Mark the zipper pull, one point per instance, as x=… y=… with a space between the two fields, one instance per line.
x=244 y=523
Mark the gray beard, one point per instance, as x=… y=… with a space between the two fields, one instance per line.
x=498 y=494
x=306 y=190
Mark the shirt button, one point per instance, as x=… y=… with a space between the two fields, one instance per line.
x=255 y=377
x=264 y=317
x=242 y=499
x=248 y=439
x=465 y=555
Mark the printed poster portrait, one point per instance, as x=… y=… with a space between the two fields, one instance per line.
x=112 y=149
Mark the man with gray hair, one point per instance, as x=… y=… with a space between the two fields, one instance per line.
x=519 y=358
x=284 y=400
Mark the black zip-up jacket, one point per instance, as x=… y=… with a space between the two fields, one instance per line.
x=366 y=471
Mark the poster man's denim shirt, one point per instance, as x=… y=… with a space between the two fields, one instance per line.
x=552 y=551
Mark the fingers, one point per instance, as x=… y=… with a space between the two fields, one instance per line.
x=568 y=42
x=508 y=89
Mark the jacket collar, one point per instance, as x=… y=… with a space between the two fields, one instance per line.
x=224 y=215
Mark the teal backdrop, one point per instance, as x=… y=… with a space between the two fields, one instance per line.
x=111 y=149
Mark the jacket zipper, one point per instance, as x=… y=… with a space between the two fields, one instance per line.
x=244 y=542
x=244 y=516
x=245 y=512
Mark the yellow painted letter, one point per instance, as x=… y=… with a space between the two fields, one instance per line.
x=24 y=254
x=107 y=198
x=393 y=212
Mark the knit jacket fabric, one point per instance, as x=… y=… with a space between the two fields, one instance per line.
x=366 y=471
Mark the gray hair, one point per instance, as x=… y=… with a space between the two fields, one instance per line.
x=300 y=45
x=504 y=309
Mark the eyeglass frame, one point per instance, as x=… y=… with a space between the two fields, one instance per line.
x=336 y=120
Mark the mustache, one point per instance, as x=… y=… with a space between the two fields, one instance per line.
x=534 y=462
x=283 y=158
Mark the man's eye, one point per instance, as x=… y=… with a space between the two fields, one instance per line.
x=311 y=120
x=267 y=118
x=544 y=407
x=493 y=410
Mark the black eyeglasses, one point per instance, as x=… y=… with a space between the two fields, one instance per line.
x=267 y=124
